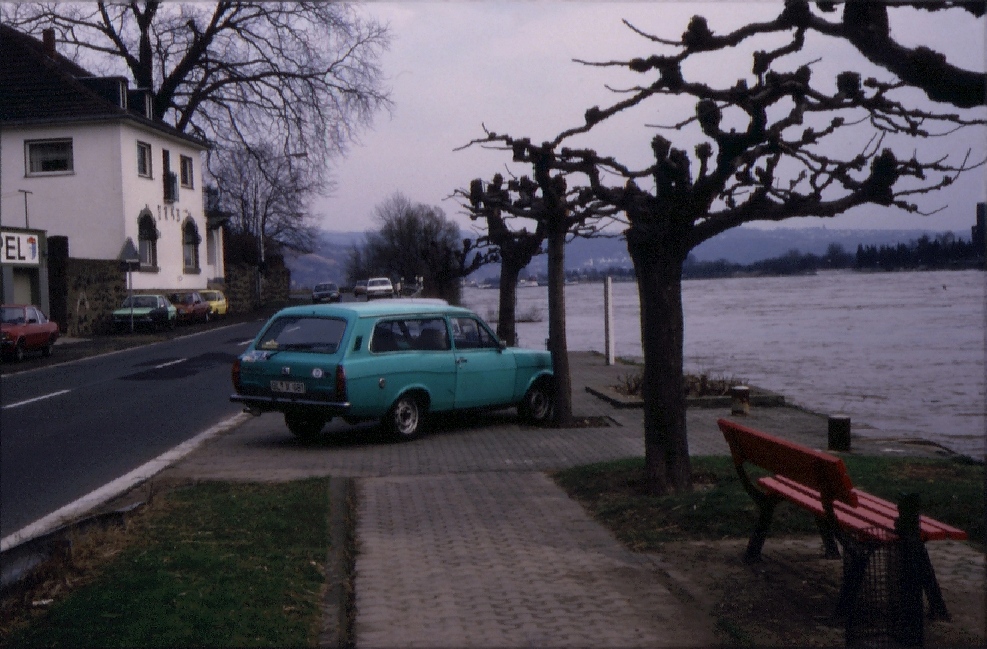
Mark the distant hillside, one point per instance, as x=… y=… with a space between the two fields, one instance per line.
x=740 y=245
x=327 y=263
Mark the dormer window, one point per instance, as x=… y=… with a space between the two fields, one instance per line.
x=49 y=156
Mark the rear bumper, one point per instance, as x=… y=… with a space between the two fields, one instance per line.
x=283 y=404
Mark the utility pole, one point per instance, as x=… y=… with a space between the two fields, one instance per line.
x=27 y=222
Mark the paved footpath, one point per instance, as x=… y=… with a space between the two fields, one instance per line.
x=464 y=541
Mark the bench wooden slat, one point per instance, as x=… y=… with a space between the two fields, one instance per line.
x=932 y=530
x=860 y=520
x=820 y=471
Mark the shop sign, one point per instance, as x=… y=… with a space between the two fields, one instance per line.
x=20 y=248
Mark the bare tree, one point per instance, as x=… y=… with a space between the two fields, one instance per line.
x=264 y=194
x=302 y=77
x=416 y=240
x=771 y=146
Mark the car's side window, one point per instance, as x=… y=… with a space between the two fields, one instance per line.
x=421 y=334
x=390 y=336
x=468 y=333
x=432 y=335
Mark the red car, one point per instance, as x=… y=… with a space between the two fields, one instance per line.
x=24 y=328
x=191 y=306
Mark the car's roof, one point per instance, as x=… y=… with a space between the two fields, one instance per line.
x=411 y=306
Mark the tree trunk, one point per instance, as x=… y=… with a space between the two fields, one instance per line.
x=556 y=326
x=507 y=314
x=666 y=443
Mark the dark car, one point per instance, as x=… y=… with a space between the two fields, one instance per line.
x=326 y=292
x=24 y=328
x=191 y=306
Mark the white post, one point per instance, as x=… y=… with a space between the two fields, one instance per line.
x=608 y=318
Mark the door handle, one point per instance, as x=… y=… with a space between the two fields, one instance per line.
x=461 y=360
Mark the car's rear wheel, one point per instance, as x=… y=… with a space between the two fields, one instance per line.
x=404 y=419
x=536 y=407
x=18 y=354
x=306 y=427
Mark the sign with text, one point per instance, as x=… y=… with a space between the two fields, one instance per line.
x=19 y=248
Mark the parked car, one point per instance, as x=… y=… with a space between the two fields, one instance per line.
x=393 y=361
x=360 y=288
x=326 y=292
x=146 y=311
x=25 y=328
x=191 y=307
x=379 y=287
x=217 y=302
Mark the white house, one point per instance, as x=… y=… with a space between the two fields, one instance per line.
x=81 y=158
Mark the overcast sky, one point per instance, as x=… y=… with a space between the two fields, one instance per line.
x=454 y=67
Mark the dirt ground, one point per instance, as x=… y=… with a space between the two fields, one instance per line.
x=787 y=599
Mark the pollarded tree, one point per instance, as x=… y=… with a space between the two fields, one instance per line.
x=498 y=204
x=298 y=77
x=770 y=145
x=559 y=213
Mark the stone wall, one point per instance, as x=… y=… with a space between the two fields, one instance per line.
x=241 y=286
x=95 y=288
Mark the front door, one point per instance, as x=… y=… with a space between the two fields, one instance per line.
x=484 y=373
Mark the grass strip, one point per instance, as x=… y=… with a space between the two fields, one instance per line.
x=211 y=564
x=951 y=491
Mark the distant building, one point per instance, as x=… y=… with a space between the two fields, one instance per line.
x=86 y=167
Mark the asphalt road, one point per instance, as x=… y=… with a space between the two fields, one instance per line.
x=68 y=429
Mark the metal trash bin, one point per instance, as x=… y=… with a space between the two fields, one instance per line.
x=872 y=576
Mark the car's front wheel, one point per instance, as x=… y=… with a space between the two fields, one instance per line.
x=48 y=348
x=305 y=427
x=404 y=419
x=18 y=354
x=536 y=407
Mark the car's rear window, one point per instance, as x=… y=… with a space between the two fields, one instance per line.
x=303 y=333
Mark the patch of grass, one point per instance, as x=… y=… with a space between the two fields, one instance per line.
x=718 y=507
x=212 y=564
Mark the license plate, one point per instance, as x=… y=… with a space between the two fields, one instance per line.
x=294 y=387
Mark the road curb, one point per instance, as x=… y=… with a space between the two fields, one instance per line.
x=71 y=512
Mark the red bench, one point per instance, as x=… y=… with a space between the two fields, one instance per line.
x=819 y=483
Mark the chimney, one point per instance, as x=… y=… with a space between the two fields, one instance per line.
x=48 y=36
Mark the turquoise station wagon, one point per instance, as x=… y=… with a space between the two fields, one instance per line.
x=392 y=361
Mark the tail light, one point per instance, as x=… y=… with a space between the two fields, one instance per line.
x=340 y=384
x=235 y=374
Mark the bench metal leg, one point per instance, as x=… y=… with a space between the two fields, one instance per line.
x=828 y=535
x=856 y=556
x=930 y=585
x=766 y=508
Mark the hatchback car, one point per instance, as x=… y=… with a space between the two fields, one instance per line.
x=24 y=328
x=217 y=302
x=150 y=311
x=191 y=307
x=325 y=292
x=391 y=361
